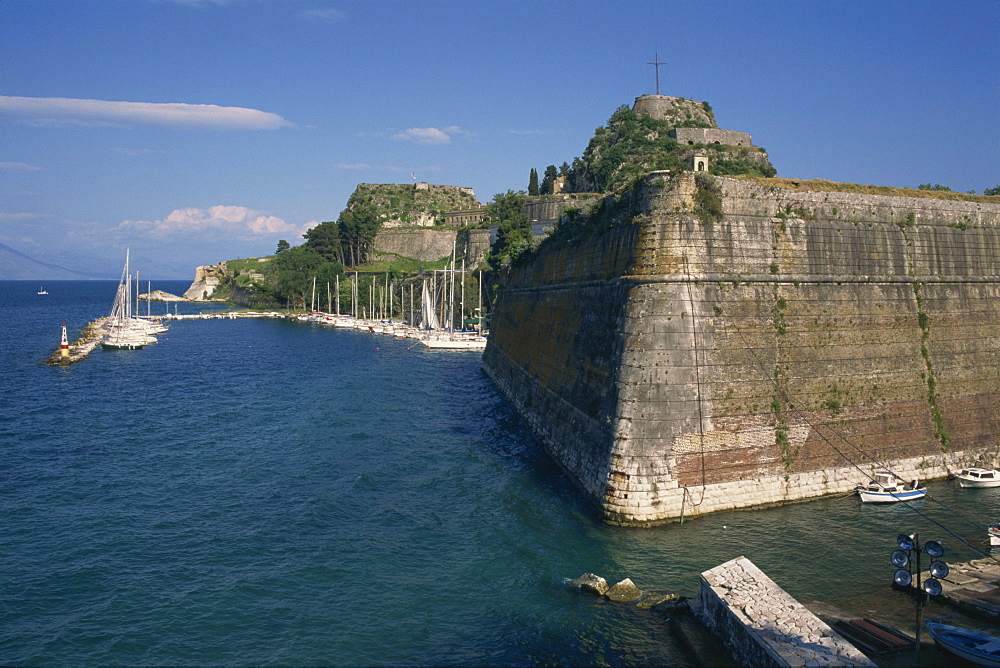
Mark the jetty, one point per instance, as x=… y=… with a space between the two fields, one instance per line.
x=974 y=587
x=90 y=338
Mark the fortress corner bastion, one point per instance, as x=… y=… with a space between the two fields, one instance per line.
x=778 y=345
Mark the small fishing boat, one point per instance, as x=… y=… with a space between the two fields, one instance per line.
x=994 y=531
x=970 y=645
x=887 y=488
x=979 y=477
x=42 y=291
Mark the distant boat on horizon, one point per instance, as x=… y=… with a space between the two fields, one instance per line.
x=42 y=291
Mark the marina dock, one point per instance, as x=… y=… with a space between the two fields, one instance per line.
x=974 y=587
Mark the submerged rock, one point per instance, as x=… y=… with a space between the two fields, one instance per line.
x=653 y=599
x=592 y=583
x=624 y=592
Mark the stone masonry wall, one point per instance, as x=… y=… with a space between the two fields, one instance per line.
x=431 y=245
x=711 y=136
x=677 y=367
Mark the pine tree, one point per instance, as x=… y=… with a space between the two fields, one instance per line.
x=533 y=183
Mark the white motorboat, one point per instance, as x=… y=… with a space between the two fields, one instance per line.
x=994 y=531
x=457 y=343
x=887 y=488
x=970 y=645
x=979 y=477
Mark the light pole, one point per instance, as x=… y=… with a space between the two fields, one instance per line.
x=907 y=562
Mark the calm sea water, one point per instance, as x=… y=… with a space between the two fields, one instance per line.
x=264 y=492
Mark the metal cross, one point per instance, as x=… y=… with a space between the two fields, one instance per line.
x=656 y=63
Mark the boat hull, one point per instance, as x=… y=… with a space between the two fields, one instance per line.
x=122 y=346
x=973 y=646
x=892 y=497
x=470 y=344
x=965 y=482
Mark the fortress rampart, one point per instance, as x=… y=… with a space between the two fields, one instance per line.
x=684 y=363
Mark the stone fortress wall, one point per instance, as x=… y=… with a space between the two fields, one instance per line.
x=711 y=136
x=681 y=365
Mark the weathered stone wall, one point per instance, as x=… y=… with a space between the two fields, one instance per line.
x=431 y=245
x=711 y=136
x=676 y=110
x=676 y=366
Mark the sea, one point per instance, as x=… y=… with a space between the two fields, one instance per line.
x=264 y=491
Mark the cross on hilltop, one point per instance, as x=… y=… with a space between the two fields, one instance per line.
x=656 y=63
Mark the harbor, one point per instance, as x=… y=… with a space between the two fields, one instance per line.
x=212 y=383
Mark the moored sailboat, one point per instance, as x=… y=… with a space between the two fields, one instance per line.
x=124 y=332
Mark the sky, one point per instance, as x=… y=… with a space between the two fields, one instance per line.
x=195 y=131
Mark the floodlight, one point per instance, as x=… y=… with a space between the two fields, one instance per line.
x=905 y=542
x=899 y=558
x=932 y=586
x=938 y=569
x=933 y=548
x=902 y=578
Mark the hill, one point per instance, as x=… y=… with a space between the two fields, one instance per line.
x=16 y=266
x=411 y=204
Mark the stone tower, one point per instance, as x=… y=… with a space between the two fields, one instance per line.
x=676 y=110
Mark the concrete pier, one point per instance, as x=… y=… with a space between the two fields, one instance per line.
x=762 y=625
x=974 y=587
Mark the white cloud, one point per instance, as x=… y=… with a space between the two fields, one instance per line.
x=214 y=221
x=62 y=111
x=328 y=15
x=428 y=136
x=19 y=167
x=8 y=217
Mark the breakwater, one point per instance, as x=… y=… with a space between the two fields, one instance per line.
x=779 y=346
x=90 y=337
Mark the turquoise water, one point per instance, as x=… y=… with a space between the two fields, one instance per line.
x=263 y=491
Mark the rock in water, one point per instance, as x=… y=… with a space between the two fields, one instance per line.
x=624 y=592
x=592 y=583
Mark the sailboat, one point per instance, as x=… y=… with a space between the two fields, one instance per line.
x=449 y=338
x=42 y=291
x=124 y=332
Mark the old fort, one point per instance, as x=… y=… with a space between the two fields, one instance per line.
x=697 y=341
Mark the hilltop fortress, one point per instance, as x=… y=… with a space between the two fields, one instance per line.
x=716 y=342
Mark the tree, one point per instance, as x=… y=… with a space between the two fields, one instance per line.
x=533 y=183
x=548 y=180
x=282 y=246
x=992 y=192
x=290 y=274
x=514 y=232
x=935 y=187
x=358 y=225
x=325 y=240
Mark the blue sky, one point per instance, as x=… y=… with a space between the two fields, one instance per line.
x=195 y=131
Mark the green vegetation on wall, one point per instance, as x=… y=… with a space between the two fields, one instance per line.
x=632 y=145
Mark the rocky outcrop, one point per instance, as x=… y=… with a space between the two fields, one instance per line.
x=160 y=296
x=206 y=279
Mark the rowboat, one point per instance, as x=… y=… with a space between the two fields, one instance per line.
x=970 y=645
x=887 y=488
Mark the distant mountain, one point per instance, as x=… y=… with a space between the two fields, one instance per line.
x=16 y=266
